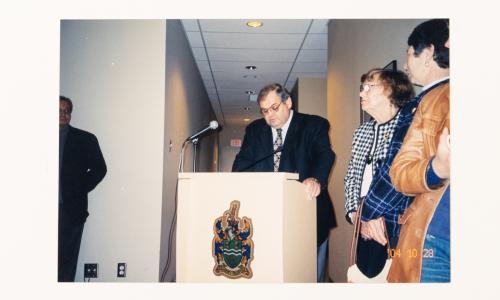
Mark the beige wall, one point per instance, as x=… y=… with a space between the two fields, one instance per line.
x=312 y=96
x=354 y=47
x=136 y=86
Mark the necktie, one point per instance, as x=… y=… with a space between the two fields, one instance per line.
x=277 y=143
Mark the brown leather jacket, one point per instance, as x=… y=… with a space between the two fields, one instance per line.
x=408 y=174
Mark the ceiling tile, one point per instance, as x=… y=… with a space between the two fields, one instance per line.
x=190 y=25
x=311 y=67
x=262 y=67
x=238 y=84
x=203 y=65
x=269 y=26
x=199 y=54
x=273 y=48
x=209 y=83
x=237 y=75
x=316 y=41
x=253 y=41
x=319 y=26
x=206 y=75
x=309 y=75
x=266 y=55
x=211 y=91
x=312 y=56
x=233 y=98
x=194 y=39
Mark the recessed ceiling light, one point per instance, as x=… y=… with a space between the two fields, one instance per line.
x=246 y=108
x=255 y=24
x=246 y=119
x=251 y=67
x=250 y=92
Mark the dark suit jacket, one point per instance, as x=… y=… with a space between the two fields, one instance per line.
x=83 y=167
x=306 y=151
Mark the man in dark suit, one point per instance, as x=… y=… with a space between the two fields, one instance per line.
x=81 y=168
x=305 y=149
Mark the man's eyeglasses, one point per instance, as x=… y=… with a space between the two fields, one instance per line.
x=365 y=87
x=274 y=107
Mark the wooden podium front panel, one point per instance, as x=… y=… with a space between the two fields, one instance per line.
x=299 y=235
x=204 y=197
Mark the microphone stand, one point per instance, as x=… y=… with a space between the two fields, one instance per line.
x=173 y=226
x=181 y=159
x=195 y=151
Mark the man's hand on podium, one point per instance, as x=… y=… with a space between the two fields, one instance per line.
x=312 y=187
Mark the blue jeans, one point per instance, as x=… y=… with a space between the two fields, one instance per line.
x=436 y=260
x=321 y=267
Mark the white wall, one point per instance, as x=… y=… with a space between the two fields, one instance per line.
x=114 y=71
x=135 y=85
x=354 y=47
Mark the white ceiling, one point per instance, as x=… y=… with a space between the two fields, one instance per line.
x=282 y=50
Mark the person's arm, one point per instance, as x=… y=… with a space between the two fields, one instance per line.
x=322 y=161
x=322 y=155
x=245 y=157
x=374 y=230
x=440 y=165
x=96 y=166
x=351 y=199
x=410 y=167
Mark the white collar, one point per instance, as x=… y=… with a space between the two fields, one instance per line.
x=434 y=82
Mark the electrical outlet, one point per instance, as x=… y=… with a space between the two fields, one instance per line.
x=121 y=270
x=90 y=270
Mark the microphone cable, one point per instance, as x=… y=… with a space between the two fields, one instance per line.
x=173 y=225
x=279 y=149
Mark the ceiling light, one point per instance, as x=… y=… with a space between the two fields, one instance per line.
x=254 y=24
x=250 y=76
x=246 y=119
x=249 y=92
x=251 y=67
x=246 y=108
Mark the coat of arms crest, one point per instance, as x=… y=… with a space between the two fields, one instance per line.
x=232 y=246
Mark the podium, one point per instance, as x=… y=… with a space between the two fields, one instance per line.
x=245 y=227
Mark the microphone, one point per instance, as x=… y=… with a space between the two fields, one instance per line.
x=213 y=125
x=279 y=149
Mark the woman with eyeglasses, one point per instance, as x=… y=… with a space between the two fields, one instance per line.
x=382 y=94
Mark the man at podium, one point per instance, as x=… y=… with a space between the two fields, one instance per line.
x=288 y=141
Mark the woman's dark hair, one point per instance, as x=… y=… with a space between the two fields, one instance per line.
x=397 y=82
x=62 y=98
x=433 y=32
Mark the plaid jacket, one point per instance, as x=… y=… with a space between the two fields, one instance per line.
x=362 y=142
x=382 y=199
